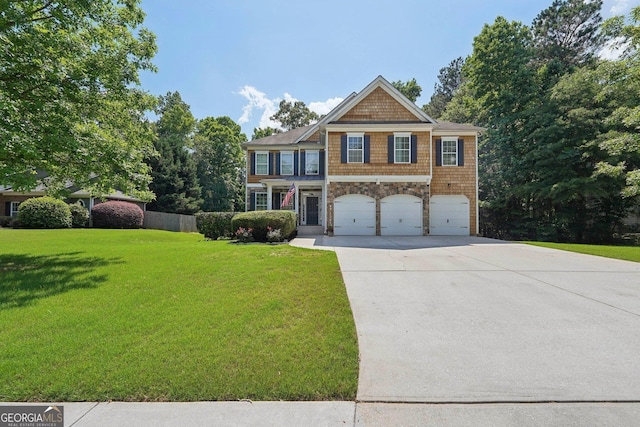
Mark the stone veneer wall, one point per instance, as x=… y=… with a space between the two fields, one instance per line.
x=379 y=192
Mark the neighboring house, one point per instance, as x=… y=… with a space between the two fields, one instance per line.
x=375 y=165
x=10 y=200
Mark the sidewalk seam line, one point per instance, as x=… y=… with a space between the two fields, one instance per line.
x=85 y=414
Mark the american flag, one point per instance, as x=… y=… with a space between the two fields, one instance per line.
x=287 y=198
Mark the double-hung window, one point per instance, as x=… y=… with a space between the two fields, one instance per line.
x=261 y=201
x=262 y=163
x=355 y=148
x=449 y=151
x=14 y=209
x=402 y=148
x=286 y=163
x=312 y=162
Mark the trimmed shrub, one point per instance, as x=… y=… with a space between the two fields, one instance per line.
x=5 y=221
x=115 y=214
x=44 y=212
x=261 y=221
x=79 y=216
x=215 y=224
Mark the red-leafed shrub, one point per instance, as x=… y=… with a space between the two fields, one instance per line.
x=114 y=214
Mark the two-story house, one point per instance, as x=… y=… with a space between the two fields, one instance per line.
x=375 y=165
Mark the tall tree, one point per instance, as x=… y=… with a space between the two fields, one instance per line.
x=568 y=32
x=449 y=81
x=292 y=115
x=221 y=165
x=175 y=180
x=70 y=103
x=263 y=132
x=411 y=89
x=622 y=141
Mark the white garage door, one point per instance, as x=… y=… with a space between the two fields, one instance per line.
x=401 y=215
x=354 y=215
x=449 y=216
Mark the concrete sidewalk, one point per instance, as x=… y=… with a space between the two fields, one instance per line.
x=346 y=414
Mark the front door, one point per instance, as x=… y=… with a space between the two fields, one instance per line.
x=312 y=210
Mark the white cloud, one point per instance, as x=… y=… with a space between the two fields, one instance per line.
x=323 y=107
x=259 y=102
x=617 y=7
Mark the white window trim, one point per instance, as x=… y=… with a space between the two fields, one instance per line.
x=397 y=135
x=282 y=154
x=355 y=135
x=453 y=139
x=13 y=210
x=261 y=153
x=306 y=161
x=266 y=202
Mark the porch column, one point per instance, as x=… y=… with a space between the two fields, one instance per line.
x=297 y=203
x=269 y=197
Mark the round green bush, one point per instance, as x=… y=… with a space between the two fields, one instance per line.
x=115 y=214
x=79 y=216
x=44 y=212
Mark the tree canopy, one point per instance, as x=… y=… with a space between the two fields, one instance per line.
x=449 y=81
x=70 y=102
x=560 y=155
x=175 y=180
x=292 y=115
x=221 y=164
x=411 y=89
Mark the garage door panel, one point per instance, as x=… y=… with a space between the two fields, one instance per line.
x=354 y=215
x=401 y=215
x=449 y=215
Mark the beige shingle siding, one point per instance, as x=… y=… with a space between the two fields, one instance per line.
x=378 y=106
x=379 y=157
x=453 y=180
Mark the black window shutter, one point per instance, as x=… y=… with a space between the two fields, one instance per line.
x=391 y=155
x=253 y=163
x=414 y=148
x=367 y=148
x=303 y=158
x=7 y=209
x=460 y=152
x=252 y=201
x=276 y=201
x=438 y=152
x=343 y=149
x=270 y=163
x=278 y=163
x=321 y=163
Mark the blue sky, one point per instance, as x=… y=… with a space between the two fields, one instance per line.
x=239 y=58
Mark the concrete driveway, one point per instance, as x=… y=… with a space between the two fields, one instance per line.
x=472 y=320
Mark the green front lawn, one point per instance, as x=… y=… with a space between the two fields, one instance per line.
x=628 y=253
x=141 y=315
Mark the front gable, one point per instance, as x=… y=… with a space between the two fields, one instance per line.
x=378 y=107
x=379 y=102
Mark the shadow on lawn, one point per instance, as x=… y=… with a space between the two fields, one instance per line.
x=26 y=278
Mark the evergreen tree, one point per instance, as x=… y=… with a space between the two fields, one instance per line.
x=449 y=81
x=174 y=173
x=221 y=164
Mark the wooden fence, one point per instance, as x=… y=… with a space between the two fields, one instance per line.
x=170 y=222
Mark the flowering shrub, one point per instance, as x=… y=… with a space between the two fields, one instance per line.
x=274 y=235
x=244 y=235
